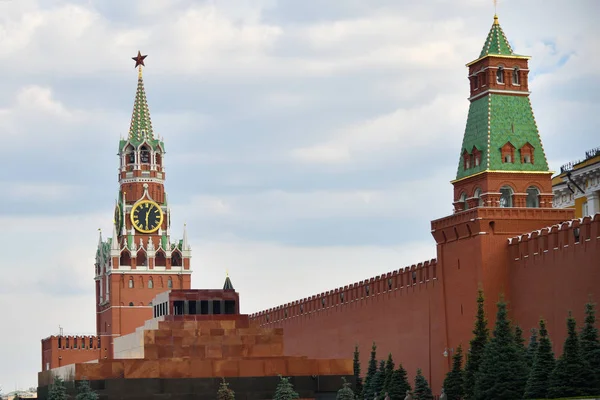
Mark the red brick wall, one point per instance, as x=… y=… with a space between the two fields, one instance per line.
x=55 y=356
x=417 y=322
x=552 y=274
x=118 y=317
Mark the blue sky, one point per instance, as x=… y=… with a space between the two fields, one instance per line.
x=309 y=143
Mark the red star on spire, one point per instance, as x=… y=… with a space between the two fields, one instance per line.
x=139 y=59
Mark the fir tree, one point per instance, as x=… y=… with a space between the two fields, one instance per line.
x=389 y=370
x=379 y=381
x=225 y=393
x=358 y=379
x=590 y=345
x=543 y=364
x=85 y=392
x=502 y=374
x=345 y=393
x=57 y=391
x=480 y=339
x=532 y=348
x=454 y=382
x=422 y=389
x=369 y=388
x=571 y=375
x=399 y=384
x=285 y=390
x=520 y=342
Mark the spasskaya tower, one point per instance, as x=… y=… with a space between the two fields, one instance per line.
x=140 y=260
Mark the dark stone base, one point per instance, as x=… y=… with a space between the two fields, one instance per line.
x=256 y=388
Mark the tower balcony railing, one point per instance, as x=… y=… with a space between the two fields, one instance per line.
x=588 y=155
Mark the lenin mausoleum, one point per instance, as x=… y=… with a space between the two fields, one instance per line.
x=515 y=231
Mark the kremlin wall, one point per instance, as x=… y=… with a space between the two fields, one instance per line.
x=515 y=232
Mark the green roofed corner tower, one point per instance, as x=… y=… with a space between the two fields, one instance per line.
x=502 y=161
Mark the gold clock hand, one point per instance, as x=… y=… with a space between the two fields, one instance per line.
x=147 y=214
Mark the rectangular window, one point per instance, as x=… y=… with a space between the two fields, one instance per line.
x=229 y=306
x=204 y=307
x=216 y=307
x=192 y=307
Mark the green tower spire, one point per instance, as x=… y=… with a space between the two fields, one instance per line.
x=141 y=125
x=496 y=42
x=140 y=129
x=501 y=133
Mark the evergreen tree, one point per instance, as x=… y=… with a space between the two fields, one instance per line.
x=389 y=370
x=590 y=345
x=520 y=342
x=368 y=388
x=422 y=389
x=399 y=384
x=358 y=379
x=345 y=393
x=285 y=390
x=571 y=375
x=532 y=348
x=225 y=393
x=543 y=364
x=379 y=381
x=480 y=339
x=502 y=374
x=57 y=391
x=85 y=392
x=454 y=382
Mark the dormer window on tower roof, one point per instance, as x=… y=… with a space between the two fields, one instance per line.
x=508 y=153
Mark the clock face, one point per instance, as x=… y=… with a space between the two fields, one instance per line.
x=146 y=216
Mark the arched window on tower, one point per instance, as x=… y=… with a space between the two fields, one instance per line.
x=533 y=199
x=160 y=260
x=125 y=259
x=150 y=284
x=477 y=195
x=170 y=283
x=144 y=155
x=141 y=259
x=131 y=283
x=463 y=201
x=506 y=195
x=500 y=75
x=176 y=259
x=516 y=79
x=130 y=155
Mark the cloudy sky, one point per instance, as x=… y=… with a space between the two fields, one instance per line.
x=309 y=142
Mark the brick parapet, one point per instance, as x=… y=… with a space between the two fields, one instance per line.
x=575 y=233
x=351 y=295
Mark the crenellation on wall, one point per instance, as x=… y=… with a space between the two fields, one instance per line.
x=357 y=292
x=574 y=234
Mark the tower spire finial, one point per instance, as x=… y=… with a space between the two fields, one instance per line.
x=495 y=12
x=141 y=126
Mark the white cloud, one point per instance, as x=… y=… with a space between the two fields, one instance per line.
x=43 y=191
x=406 y=130
x=267 y=275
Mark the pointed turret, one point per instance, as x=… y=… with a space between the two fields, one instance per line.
x=184 y=242
x=501 y=137
x=228 y=285
x=141 y=125
x=115 y=238
x=496 y=42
